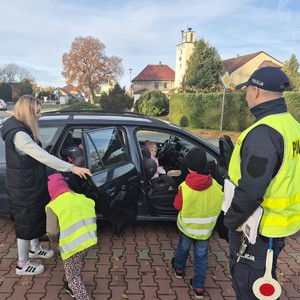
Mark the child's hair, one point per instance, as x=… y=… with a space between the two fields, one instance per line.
x=150 y=144
x=196 y=160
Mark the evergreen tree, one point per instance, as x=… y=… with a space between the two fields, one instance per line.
x=26 y=87
x=204 y=67
x=116 y=99
x=291 y=68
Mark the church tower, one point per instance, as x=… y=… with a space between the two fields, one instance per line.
x=183 y=52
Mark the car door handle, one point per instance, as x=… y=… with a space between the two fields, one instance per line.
x=111 y=191
x=132 y=178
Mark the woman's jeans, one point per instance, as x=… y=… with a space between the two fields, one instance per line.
x=200 y=248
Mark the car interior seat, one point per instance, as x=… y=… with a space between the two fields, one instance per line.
x=71 y=152
x=161 y=183
x=161 y=190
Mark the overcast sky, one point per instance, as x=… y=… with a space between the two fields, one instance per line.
x=34 y=34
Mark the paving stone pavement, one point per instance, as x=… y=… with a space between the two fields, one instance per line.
x=134 y=266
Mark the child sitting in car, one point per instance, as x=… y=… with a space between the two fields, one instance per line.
x=153 y=150
x=160 y=170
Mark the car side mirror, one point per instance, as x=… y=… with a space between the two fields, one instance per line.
x=226 y=148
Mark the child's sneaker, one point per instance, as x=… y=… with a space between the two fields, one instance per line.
x=68 y=290
x=30 y=269
x=40 y=252
x=178 y=273
x=199 y=292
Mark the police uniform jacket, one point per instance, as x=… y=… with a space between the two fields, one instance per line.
x=261 y=157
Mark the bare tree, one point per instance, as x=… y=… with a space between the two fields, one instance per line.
x=12 y=73
x=87 y=66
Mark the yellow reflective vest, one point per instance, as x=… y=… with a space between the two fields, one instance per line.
x=77 y=222
x=200 y=210
x=281 y=201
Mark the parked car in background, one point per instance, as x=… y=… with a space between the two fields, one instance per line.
x=114 y=151
x=3 y=105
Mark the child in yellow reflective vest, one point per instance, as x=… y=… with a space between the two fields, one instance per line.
x=199 y=202
x=71 y=220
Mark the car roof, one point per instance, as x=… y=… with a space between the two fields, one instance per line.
x=103 y=116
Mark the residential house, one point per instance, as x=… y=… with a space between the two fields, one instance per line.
x=240 y=68
x=63 y=95
x=153 y=77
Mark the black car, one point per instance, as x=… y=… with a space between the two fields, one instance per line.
x=114 y=151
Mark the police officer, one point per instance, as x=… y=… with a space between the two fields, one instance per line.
x=265 y=168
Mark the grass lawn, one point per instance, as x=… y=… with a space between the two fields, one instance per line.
x=214 y=134
x=207 y=133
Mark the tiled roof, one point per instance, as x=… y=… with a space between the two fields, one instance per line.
x=233 y=64
x=63 y=91
x=156 y=72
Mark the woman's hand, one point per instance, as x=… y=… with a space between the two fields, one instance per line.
x=81 y=172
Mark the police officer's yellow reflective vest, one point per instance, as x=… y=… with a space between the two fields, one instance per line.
x=200 y=210
x=77 y=222
x=281 y=201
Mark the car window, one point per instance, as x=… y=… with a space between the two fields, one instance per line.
x=105 y=148
x=155 y=136
x=171 y=150
x=47 y=134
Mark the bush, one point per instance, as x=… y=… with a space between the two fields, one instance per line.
x=152 y=103
x=203 y=110
x=292 y=101
x=184 y=122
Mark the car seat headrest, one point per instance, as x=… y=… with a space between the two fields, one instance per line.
x=145 y=152
x=72 y=151
x=150 y=167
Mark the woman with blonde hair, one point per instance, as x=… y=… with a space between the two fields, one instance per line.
x=26 y=181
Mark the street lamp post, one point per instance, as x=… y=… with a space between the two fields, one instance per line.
x=130 y=89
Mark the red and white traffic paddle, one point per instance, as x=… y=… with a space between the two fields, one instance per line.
x=266 y=287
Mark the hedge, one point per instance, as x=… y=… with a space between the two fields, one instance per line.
x=203 y=110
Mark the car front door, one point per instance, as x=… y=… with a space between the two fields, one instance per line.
x=116 y=181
